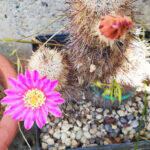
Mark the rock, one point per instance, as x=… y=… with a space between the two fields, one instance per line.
x=89 y=117
x=114 y=127
x=68 y=142
x=87 y=135
x=86 y=128
x=121 y=113
x=92 y=140
x=148 y=104
x=79 y=123
x=108 y=128
x=64 y=137
x=134 y=124
x=98 y=134
x=74 y=143
x=72 y=136
x=107 y=142
x=99 y=110
x=113 y=134
x=128 y=109
x=138 y=99
x=79 y=135
x=97 y=140
x=66 y=127
x=44 y=129
x=99 y=117
x=44 y=146
x=51 y=131
x=83 y=140
x=148 y=135
x=117 y=131
x=123 y=120
x=57 y=135
x=130 y=117
x=109 y=120
x=61 y=147
x=45 y=137
x=148 y=98
x=50 y=141
x=148 y=127
x=76 y=128
x=93 y=131
x=106 y=111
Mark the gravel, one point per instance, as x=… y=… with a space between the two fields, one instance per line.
x=95 y=126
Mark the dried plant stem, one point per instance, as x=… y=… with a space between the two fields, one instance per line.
x=24 y=136
x=61 y=29
x=32 y=42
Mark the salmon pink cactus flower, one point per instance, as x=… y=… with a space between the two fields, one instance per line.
x=114 y=26
x=31 y=98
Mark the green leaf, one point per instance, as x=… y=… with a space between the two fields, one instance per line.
x=98 y=84
x=119 y=91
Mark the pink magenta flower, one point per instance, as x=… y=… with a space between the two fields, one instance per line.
x=31 y=98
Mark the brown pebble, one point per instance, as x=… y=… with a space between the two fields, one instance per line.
x=109 y=120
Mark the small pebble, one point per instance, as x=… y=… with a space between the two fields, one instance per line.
x=57 y=135
x=87 y=135
x=44 y=129
x=108 y=128
x=122 y=120
x=74 y=143
x=79 y=123
x=79 y=135
x=130 y=117
x=50 y=141
x=134 y=124
x=64 y=137
x=121 y=113
x=98 y=117
x=44 y=146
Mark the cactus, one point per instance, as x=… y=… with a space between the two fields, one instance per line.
x=102 y=42
x=50 y=63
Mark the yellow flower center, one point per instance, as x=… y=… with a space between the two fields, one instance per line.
x=34 y=98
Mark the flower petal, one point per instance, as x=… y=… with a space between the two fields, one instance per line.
x=28 y=74
x=9 y=100
x=28 y=123
x=38 y=119
x=59 y=101
x=53 y=84
x=13 y=92
x=35 y=75
x=55 y=112
x=53 y=95
x=15 y=84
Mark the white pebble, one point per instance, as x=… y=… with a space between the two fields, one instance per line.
x=79 y=123
x=98 y=117
x=87 y=135
x=68 y=142
x=63 y=137
x=50 y=141
x=89 y=116
x=74 y=143
x=99 y=110
x=121 y=113
x=76 y=128
x=83 y=140
x=57 y=135
x=93 y=131
x=86 y=128
x=44 y=146
x=79 y=135
x=72 y=136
